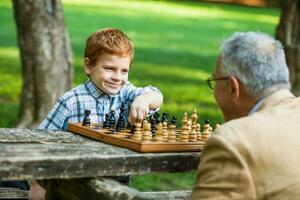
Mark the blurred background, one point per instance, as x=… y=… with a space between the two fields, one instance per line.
x=176 y=46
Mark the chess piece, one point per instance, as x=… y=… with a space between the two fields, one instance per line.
x=106 y=123
x=121 y=121
x=164 y=117
x=112 y=120
x=154 y=121
x=165 y=131
x=146 y=134
x=137 y=131
x=159 y=133
x=194 y=116
x=193 y=134
x=86 y=119
x=172 y=133
x=206 y=132
x=174 y=121
x=184 y=135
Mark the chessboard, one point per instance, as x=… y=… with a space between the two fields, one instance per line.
x=142 y=138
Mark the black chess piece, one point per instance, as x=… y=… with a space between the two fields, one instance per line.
x=174 y=121
x=154 y=120
x=164 y=117
x=206 y=121
x=121 y=121
x=106 y=123
x=86 y=119
x=112 y=120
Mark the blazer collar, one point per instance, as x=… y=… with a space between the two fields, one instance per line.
x=276 y=98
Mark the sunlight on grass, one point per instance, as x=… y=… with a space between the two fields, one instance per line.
x=170 y=9
x=9 y=52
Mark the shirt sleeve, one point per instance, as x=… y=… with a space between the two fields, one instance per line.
x=57 y=118
x=131 y=92
x=222 y=173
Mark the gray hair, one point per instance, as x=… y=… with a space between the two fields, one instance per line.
x=257 y=60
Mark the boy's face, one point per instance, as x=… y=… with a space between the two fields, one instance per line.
x=110 y=73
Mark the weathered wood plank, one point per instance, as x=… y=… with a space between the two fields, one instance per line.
x=13 y=193
x=39 y=154
x=169 y=195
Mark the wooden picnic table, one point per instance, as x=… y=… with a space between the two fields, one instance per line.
x=70 y=165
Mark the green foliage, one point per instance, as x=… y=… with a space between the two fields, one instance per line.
x=176 y=45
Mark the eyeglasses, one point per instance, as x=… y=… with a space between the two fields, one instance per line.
x=211 y=81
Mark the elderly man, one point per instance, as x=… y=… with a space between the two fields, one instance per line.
x=256 y=153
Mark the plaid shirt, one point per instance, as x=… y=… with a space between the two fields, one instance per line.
x=70 y=107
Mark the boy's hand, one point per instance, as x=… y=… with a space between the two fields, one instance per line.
x=138 y=110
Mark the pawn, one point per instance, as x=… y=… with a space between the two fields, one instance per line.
x=184 y=135
x=164 y=117
x=193 y=134
x=159 y=133
x=165 y=131
x=146 y=135
x=174 y=121
x=137 y=131
x=172 y=133
x=206 y=132
x=86 y=119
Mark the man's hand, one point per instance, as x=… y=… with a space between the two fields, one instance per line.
x=138 y=110
x=36 y=192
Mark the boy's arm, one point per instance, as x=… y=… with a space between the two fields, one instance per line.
x=57 y=117
x=149 y=100
x=143 y=100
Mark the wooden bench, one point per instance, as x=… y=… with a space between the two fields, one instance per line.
x=71 y=166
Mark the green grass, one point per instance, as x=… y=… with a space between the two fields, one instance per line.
x=176 y=44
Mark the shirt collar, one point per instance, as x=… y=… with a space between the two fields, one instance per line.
x=95 y=91
x=257 y=105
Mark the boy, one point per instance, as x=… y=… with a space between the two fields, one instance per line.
x=107 y=59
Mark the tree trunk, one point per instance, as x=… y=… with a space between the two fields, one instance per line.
x=45 y=56
x=288 y=32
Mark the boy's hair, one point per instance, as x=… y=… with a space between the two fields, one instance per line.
x=108 y=40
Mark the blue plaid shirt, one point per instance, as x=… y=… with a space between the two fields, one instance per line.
x=70 y=107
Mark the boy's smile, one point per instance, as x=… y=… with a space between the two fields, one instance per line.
x=110 y=73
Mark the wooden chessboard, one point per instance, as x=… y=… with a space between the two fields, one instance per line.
x=125 y=139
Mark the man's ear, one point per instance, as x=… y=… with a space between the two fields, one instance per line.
x=235 y=87
x=87 y=65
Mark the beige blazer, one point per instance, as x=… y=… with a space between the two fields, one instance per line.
x=254 y=157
